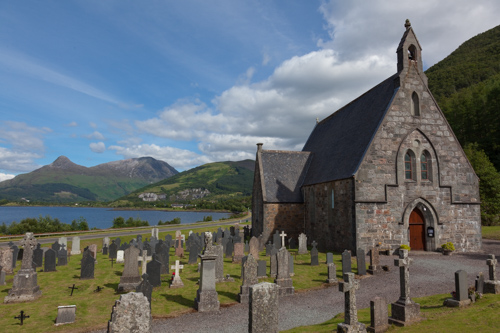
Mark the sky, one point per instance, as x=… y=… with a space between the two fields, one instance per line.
x=195 y=81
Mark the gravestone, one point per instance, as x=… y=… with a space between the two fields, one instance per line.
x=154 y=272
x=492 y=285
x=193 y=254
x=254 y=247
x=360 y=259
x=229 y=248
x=147 y=248
x=105 y=242
x=282 y=236
x=314 y=254
x=379 y=316
x=118 y=242
x=291 y=269
x=155 y=233
x=87 y=266
x=206 y=296
x=38 y=256
x=145 y=287
x=292 y=243
x=25 y=287
x=239 y=253
x=153 y=241
x=168 y=239
x=332 y=274
x=263 y=308
x=261 y=269
x=348 y=287
x=404 y=310
x=219 y=263
x=113 y=249
x=283 y=279
x=132 y=313
x=461 y=298
x=105 y=250
x=49 y=261
x=274 y=263
x=130 y=278
x=2 y=277
x=163 y=253
x=302 y=243
x=329 y=258
x=248 y=277
x=66 y=314
x=179 y=250
x=177 y=281
x=143 y=261
x=6 y=259
x=75 y=245
x=480 y=283
x=56 y=246
x=62 y=256
x=120 y=256
x=346 y=262
x=15 y=255
x=246 y=247
x=93 y=250
x=269 y=247
x=277 y=240
x=374 y=267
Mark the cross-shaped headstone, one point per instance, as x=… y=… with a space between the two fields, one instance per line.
x=29 y=242
x=349 y=287
x=314 y=244
x=283 y=235
x=99 y=289
x=21 y=317
x=144 y=258
x=177 y=267
x=72 y=289
x=404 y=275
x=492 y=263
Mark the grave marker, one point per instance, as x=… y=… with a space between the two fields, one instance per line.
x=66 y=314
x=131 y=313
x=177 y=281
x=206 y=297
x=348 y=287
x=22 y=317
x=492 y=285
x=75 y=245
x=130 y=278
x=360 y=259
x=49 y=262
x=248 y=278
x=314 y=254
x=87 y=266
x=302 y=243
x=379 y=317
x=263 y=308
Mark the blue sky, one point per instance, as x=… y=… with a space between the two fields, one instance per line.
x=192 y=82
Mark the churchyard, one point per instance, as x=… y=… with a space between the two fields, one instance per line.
x=94 y=298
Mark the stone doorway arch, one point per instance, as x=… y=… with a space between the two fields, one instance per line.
x=427 y=212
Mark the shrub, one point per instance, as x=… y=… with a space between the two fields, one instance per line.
x=448 y=246
x=405 y=247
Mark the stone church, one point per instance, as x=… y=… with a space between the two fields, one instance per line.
x=384 y=169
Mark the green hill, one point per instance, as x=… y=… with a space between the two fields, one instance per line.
x=208 y=183
x=466 y=85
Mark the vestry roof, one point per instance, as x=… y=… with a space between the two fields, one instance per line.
x=339 y=142
x=284 y=173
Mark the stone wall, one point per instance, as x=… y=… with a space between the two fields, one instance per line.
x=283 y=217
x=257 y=202
x=384 y=198
x=331 y=228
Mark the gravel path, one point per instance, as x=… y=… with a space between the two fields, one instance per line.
x=430 y=274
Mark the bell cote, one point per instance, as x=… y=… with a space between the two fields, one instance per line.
x=410 y=53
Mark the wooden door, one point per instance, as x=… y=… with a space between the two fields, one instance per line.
x=417 y=230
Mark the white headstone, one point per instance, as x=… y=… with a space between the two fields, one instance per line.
x=120 y=256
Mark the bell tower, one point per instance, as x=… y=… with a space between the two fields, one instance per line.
x=410 y=54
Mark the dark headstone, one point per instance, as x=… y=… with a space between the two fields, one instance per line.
x=87 y=266
x=38 y=256
x=193 y=254
x=56 y=246
x=277 y=240
x=261 y=269
x=105 y=250
x=113 y=249
x=360 y=259
x=461 y=290
x=229 y=249
x=118 y=241
x=62 y=256
x=147 y=247
x=268 y=248
x=50 y=261
x=329 y=258
x=15 y=253
x=163 y=252
x=145 y=287
x=480 y=283
x=379 y=315
x=153 y=268
x=314 y=254
x=292 y=243
x=346 y=262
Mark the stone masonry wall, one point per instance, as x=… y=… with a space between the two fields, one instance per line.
x=257 y=202
x=283 y=217
x=331 y=228
x=384 y=198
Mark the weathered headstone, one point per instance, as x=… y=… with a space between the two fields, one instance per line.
x=332 y=274
x=179 y=250
x=360 y=259
x=248 y=278
x=154 y=271
x=247 y=247
x=314 y=254
x=93 y=250
x=229 y=249
x=105 y=242
x=292 y=243
x=348 y=287
x=269 y=247
x=88 y=266
x=145 y=287
x=346 y=262
x=2 y=277
x=147 y=248
x=105 y=250
x=277 y=240
x=254 y=247
x=404 y=310
x=63 y=240
x=120 y=256
x=38 y=256
x=25 y=287
x=480 y=283
x=302 y=243
x=163 y=253
x=283 y=279
x=239 y=253
x=273 y=263
x=461 y=298
x=132 y=313
x=374 y=267
x=56 y=246
x=113 y=249
x=379 y=316
x=177 y=281
x=291 y=269
x=118 y=242
x=193 y=254
x=66 y=314
x=49 y=261
x=75 y=245
x=130 y=278
x=155 y=232
x=143 y=259
x=263 y=308
x=329 y=258
x=15 y=255
x=492 y=285
x=261 y=269
x=6 y=259
x=62 y=256
x=206 y=296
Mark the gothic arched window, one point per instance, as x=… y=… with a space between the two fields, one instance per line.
x=409 y=165
x=425 y=166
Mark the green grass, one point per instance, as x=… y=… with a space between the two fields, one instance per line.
x=94 y=309
x=491 y=232
x=481 y=316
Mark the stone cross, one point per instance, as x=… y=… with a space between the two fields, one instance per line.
x=21 y=317
x=348 y=287
x=29 y=242
x=404 y=275
x=283 y=235
x=177 y=267
x=491 y=262
x=144 y=258
x=177 y=282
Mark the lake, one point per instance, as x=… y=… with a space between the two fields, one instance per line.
x=101 y=218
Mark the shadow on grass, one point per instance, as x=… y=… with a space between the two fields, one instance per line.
x=179 y=299
x=228 y=294
x=76 y=276
x=113 y=286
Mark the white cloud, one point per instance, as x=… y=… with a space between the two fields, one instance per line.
x=72 y=124
x=4 y=176
x=95 y=136
x=93 y=125
x=97 y=147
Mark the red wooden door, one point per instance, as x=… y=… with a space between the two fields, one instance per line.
x=417 y=230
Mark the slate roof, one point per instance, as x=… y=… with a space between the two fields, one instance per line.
x=284 y=173
x=339 y=142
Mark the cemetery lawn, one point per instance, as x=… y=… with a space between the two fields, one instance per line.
x=93 y=309
x=491 y=232
x=481 y=316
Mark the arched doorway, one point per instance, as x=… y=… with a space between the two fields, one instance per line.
x=417 y=230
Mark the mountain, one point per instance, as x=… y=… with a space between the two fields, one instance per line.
x=64 y=181
x=466 y=85
x=208 y=182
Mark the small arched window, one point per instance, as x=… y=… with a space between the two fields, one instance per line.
x=415 y=105
x=412 y=53
x=425 y=166
x=409 y=165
